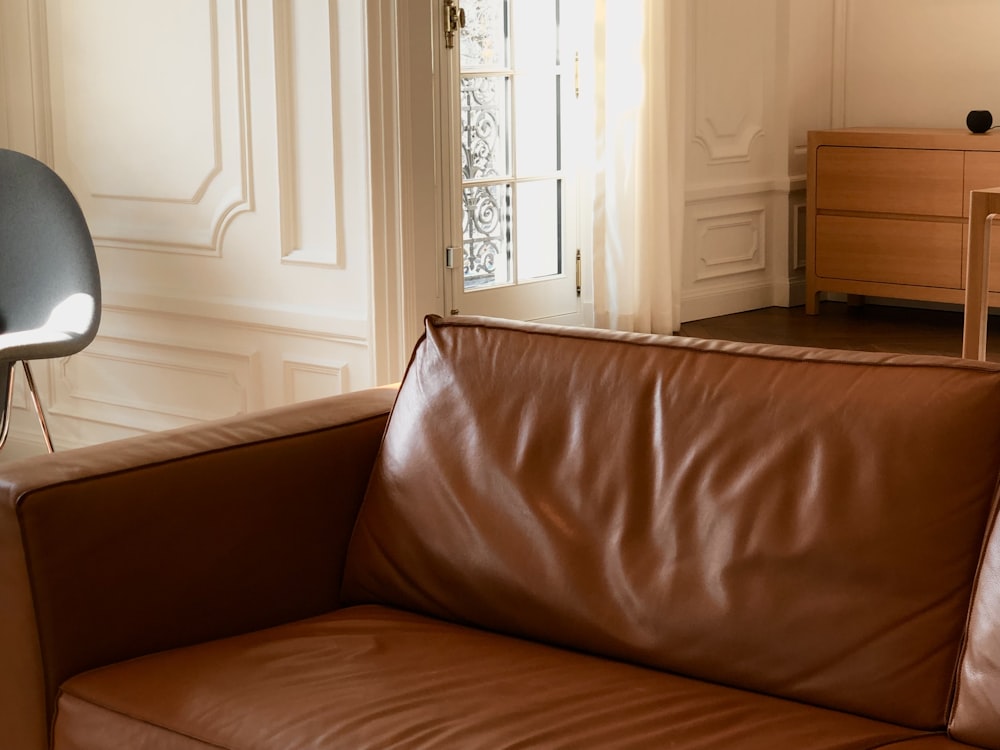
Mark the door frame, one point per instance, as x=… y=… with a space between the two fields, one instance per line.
x=407 y=265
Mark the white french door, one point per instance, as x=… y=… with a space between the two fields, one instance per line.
x=509 y=103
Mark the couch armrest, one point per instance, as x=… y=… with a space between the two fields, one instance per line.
x=168 y=539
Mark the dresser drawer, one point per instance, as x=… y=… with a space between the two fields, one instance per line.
x=923 y=182
x=982 y=170
x=899 y=251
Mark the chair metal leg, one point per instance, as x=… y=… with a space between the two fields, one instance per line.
x=8 y=400
x=38 y=406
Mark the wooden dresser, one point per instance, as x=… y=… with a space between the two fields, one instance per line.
x=887 y=211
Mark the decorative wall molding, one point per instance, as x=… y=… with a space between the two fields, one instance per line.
x=304 y=321
x=310 y=134
x=154 y=386
x=256 y=364
x=25 y=112
x=730 y=81
x=305 y=381
x=164 y=168
x=40 y=80
x=738 y=189
x=727 y=145
x=729 y=242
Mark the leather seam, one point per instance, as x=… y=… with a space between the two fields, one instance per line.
x=665 y=342
x=140 y=720
x=21 y=498
x=904 y=740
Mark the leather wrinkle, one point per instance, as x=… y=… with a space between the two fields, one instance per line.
x=483 y=669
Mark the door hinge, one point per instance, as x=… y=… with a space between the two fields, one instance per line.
x=454 y=20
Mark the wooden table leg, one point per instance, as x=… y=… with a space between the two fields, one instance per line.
x=984 y=206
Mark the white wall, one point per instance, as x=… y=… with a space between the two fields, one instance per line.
x=891 y=63
x=219 y=149
x=918 y=63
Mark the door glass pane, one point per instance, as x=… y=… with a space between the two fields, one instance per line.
x=511 y=93
x=487 y=235
x=539 y=239
x=485 y=143
x=536 y=30
x=484 y=41
x=536 y=107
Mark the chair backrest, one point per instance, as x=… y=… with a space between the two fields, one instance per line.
x=49 y=276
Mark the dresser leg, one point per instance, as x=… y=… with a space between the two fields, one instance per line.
x=812 y=302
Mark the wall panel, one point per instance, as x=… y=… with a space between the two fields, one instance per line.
x=729 y=240
x=219 y=150
x=150 y=119
x=731 y=71
x=309 y=380
x=154 y=386
x=737 y=157
x=309 y=125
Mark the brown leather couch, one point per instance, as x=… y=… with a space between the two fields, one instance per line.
x=564 y=538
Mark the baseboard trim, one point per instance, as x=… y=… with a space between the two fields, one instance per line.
x=730 y=301
x=726 y=302
x=796 y=294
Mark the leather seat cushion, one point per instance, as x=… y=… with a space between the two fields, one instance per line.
x=373 y=677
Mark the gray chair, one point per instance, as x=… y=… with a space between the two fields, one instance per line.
x=50 y=288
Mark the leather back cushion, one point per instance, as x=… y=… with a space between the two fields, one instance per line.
x=802 y=523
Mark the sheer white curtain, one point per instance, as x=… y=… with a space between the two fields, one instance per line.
x=638 y=164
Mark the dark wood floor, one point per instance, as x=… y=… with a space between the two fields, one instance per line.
x=869 y=327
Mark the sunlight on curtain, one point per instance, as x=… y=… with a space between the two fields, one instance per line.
x=638 y=164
